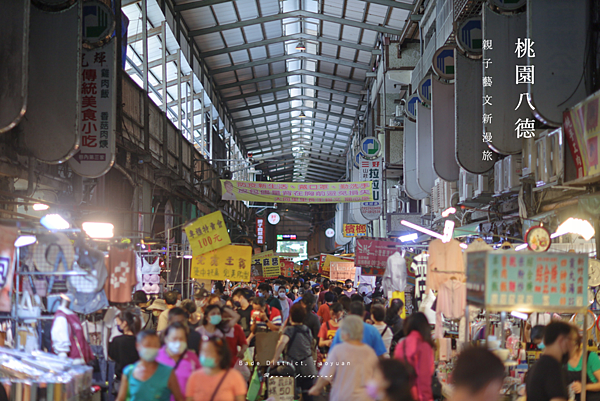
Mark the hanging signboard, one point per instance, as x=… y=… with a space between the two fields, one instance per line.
x=425 y=91
x=260 y=231
x=97 y=119
x=370 y=147
x=528 y=281
x=295 y=192
x=582 y=129
x=469 y=37
x=207 y=233
x=231 y=262
x=443 y=62
x=354 y=230
x=372 y=170
x=270 y=263
x=287 y=267
x=281 y=388
x=372 y=255
x=342 y=271
x=325 y=263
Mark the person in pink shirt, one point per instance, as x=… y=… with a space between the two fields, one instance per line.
x=175 y=354
x=416 y=351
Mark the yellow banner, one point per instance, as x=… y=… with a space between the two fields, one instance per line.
x=207 y=233
x=270 y=263
x=296 y=192
x=231 y=262
x=354 y=230
x=326 y=262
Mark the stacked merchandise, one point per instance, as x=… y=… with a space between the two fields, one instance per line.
x=41 y=376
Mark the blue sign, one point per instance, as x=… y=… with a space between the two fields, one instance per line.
x=470 y=35
x=370 y=147
x=443 y=62
x=411 y=107
x=425 y=90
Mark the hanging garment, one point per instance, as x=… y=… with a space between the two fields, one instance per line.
x=8 y=236
x=419 y=266
x=445 y=260
x=394 y=278
x=451 y=302
x=426 y=305
x=68 y=336
x=122 y=275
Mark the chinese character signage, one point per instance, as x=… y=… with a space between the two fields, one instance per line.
x=372 y=255
x=342 y=271
x=270 y=263
x=371 y=170
x=325 y=262
x=207 y=233
x=97 y=120
x=287 y=267
x=530 y=281
x=260 y=231
x=354 y=230
x=582 y=128
x=281 y=388
x=231 y=262
x=295 y=192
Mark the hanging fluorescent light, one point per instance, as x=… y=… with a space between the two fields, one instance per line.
x=302 y=115
x=448 y=231
x=409 y=237
x=464 y=246
x=521 y=247
x=576 y=226
x=38 y=207
x=98 y=230
x=300 y=46
x=54 y=222
x=25 y=240
x=519 y=315
x=421 y=229
x=448 y=212
x=187 y=256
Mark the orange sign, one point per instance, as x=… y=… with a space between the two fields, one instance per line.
x=355 y=230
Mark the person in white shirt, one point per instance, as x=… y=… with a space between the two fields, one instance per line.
x=163 y=319
x=378 y=317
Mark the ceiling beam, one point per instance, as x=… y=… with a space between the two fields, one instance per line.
x=294 y=14
x=289 y=99
x=293 y=37
x=327 y=170
x=286 y=57
x=293 y=86
x=333 y=169
x=327 y=162
x=278 y=112
x=289 y=74
x=282 y=131
x=317 y=120
x=204 y=3
x=331 y=145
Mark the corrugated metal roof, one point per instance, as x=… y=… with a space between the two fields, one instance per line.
x=249 y=47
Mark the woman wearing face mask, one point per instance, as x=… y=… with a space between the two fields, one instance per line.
x=148 y=380
x=176 y=355
x=122 y=348
x=391 y=382
x=216 y=380
x=213 y=325
x=285 y=302
x=294 y=293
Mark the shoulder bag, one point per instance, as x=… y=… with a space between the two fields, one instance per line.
x=212 y=398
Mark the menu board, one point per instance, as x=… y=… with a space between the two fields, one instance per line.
x=530 y=281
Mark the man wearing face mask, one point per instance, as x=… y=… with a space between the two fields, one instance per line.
x=545 y=380
x=286 y=303
x=241 y=301
x=265 y=291
x=349 y=291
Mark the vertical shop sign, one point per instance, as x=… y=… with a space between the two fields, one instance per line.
x=505 y=77
x=371 y=170
x=260 y=231
x=97 y=119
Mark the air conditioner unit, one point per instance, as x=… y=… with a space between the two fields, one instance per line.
x=483 y=181
x=425 y=205
x=511 y=166
x=541 y=173
x=434 y=198
x=466 y=185
x=529 y=156
x=450 y=189
x=498 y=178
x=393 y=195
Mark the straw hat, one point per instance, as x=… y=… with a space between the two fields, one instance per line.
x=158 y=304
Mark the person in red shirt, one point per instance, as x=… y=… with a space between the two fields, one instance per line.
x=263 y=318
x=325 y=310
x=330 y=327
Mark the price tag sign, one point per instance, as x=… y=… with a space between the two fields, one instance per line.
x=281 y=388
x=207 y=233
